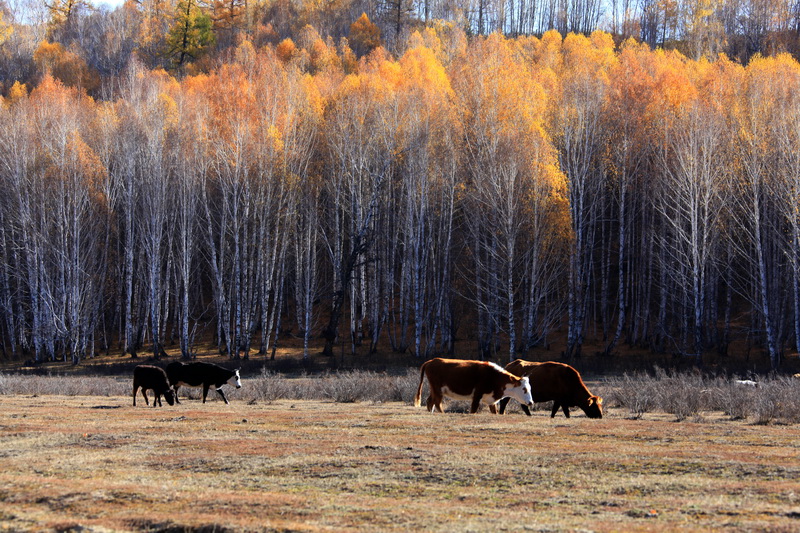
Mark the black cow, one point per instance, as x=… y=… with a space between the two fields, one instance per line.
x=155 y=379
x=202 y=375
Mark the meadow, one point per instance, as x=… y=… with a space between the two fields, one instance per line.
x=77 y=456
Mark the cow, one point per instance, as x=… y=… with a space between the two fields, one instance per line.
x=202 y=375
x=475 y=381
x=155 y=379
x=557 y=382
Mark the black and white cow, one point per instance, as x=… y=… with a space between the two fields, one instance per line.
x=155 y=379
x=202 y=375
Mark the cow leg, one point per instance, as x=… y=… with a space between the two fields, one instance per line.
x=135 y=390
x=525 y=409
x=565 y=408
x=158 y=398
x=144 y=393
x=434 y=404
x=556 y=405
x=429 y=404
x=493 y=408
x=219 y=391
x=476 y=402
x=205 y=392
x=175 y=388
x=502 y=404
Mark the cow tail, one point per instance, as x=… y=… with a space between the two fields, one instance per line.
x=418 y=397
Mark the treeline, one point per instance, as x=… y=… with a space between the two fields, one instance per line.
x=493 y=188
x=87 y=45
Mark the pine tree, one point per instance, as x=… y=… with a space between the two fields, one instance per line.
x=191 y=33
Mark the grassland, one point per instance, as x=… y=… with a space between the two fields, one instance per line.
x=96 y=463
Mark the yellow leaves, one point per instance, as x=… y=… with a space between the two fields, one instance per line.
x=5 y=29
x=274 y=138
x=421 y=68
x=17 y=92
x=169 y=110
x=313 y=97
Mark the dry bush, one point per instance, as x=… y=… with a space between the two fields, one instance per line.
x=775 y=399
x=341 y=387
x=355 y=386
x=404 y=387
x=684 y=395
x=681 y=395
x=270 y=386
x=637 y=393
x=64 y=385
x=734 y=400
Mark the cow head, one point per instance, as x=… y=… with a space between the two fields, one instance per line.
x=594 y=407
x=234 y=380
x=169 y=395
x=520 y=390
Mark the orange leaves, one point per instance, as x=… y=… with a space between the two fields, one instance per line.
x=65 y=65
x=364 y=35
x=84 y=161
x=286 y=50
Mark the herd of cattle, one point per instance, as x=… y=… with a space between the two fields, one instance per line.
x=474 y=381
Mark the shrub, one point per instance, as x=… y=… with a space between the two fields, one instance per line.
x=733 y=400
x=64 y=385
x=634 y=392
x=269 y=386
x=679 y=394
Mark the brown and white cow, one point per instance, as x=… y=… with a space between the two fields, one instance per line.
x=557 y=382
x=475 y=381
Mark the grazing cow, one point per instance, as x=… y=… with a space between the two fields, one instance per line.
x=476 y=381
x=557 y=382
x=202 y=375
x=155 y=379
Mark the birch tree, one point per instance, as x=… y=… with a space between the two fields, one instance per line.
x=579 y=138
x=756 y=200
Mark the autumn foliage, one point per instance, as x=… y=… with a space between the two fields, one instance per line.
x=510 y=191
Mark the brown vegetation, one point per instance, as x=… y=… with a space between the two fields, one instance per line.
x=94 y=463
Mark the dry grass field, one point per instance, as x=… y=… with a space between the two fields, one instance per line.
x=96 y=463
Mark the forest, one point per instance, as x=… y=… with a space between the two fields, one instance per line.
x=176 y=173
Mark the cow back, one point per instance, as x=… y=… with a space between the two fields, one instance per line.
x=198 y=373
x=551 y=380
x=463 y=377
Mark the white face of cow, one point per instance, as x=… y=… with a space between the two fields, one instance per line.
x=521 y=393
x=234 y=381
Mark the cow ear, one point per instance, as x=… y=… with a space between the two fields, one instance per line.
x=591 y=400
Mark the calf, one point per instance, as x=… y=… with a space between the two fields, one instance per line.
x=557 y=382
x=155 y=379
x=475 y=381
x=202 y=375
